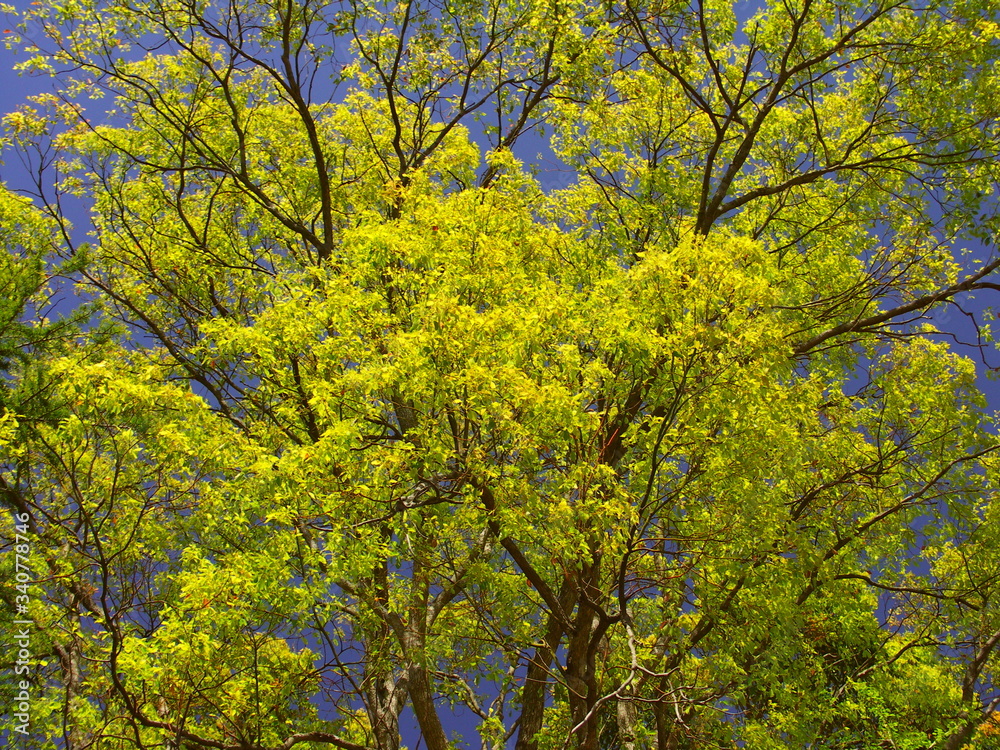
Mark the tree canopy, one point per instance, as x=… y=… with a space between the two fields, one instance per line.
x=656 y=439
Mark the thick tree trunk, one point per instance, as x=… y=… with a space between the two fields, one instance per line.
x=69 y=661
x=537 y=679
x=581 y=673
x=385 y=691
x=384 y=703
x=627 y=720
x=418 y=670
x=422 y=701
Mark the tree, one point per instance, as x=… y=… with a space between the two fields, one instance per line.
x=669 y=455
x=25 y=390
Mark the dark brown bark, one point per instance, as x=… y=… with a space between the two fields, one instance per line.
x=536 y=680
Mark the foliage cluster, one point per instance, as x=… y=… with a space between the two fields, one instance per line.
x=658 y=446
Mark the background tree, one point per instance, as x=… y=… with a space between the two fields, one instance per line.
x=669 y=456
x=28 y=285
